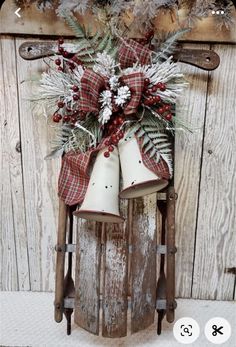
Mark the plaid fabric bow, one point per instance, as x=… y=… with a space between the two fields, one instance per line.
x=92 y=83
x=135 y=82
x=91 y=86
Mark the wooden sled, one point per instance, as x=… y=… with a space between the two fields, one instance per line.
x=116 y=265
x=122 y=260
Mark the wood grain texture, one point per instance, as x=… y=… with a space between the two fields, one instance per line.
x=216 y=238
x=188 y=147
x=14 y=250
x=40 y=180
x=115 y=286
x=60 y=261
x=36 y=22
x=143 y=262
x=87 y=275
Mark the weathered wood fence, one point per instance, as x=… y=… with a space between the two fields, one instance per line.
x=205 y=180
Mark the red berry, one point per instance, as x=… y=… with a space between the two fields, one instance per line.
x=107 y=142
x=120 y=135
x=58 y=61
x=146 y=81
x=111 y=127
x=157 y=98
x=56 y=119
x=163 y=87
x=60 y=104
x=110 y=148
x=120 y=120
x=159 y=85
x=160 y=110
x=115 y=122
x=115 y=142
x=60 y=68
x=154 y=89
x=106 y=154
x=75 y=97
x=167 y=107
x=73 y=119
x=152 y=100
x=72 y=66
x=148 y=92
x=61 y=50
x=147 y=102
x=168 y=117
x=65 y=54
x=113 y=138
x=66 y=118
x=75 y=89
x=61 y=41
x=58 y=116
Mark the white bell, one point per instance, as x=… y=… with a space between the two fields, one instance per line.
x=138 y=180
x=101 y=202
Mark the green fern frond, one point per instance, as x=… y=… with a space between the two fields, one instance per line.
x=103 y=43
x=73 y=24
x=167 y=47
x=155 y=140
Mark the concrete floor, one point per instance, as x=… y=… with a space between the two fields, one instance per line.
x=26 y=319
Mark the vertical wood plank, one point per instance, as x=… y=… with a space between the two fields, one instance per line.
x=40 y=179
x=188 y=148
x=15 y=270
x=87 y=275
x=115 y=285
x=216 y=238
x=143 y=263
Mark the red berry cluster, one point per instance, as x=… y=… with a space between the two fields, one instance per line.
x=115 y=134
x=72 y=59
x=150 y=99
x=67 y=114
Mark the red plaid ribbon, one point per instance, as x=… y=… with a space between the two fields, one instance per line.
x=132 y=52
x=135 y=82
x=74 y=175
x=91 y=86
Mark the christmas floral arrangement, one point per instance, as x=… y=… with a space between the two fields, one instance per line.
x=101 y=89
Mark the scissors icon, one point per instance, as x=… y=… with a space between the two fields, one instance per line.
x=216 y=330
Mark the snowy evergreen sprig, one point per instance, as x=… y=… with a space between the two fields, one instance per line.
x=106 y=106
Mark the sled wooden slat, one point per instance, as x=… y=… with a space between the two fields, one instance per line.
x=115 y=281
x=143 y=263
x=87 y=275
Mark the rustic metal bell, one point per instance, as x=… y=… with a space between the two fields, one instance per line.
x=101 y=202
x=138 y=180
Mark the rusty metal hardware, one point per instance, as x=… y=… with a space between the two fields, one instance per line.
x=230 y=270
x=69 y=247
x=203 y=59
x=161 y=304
